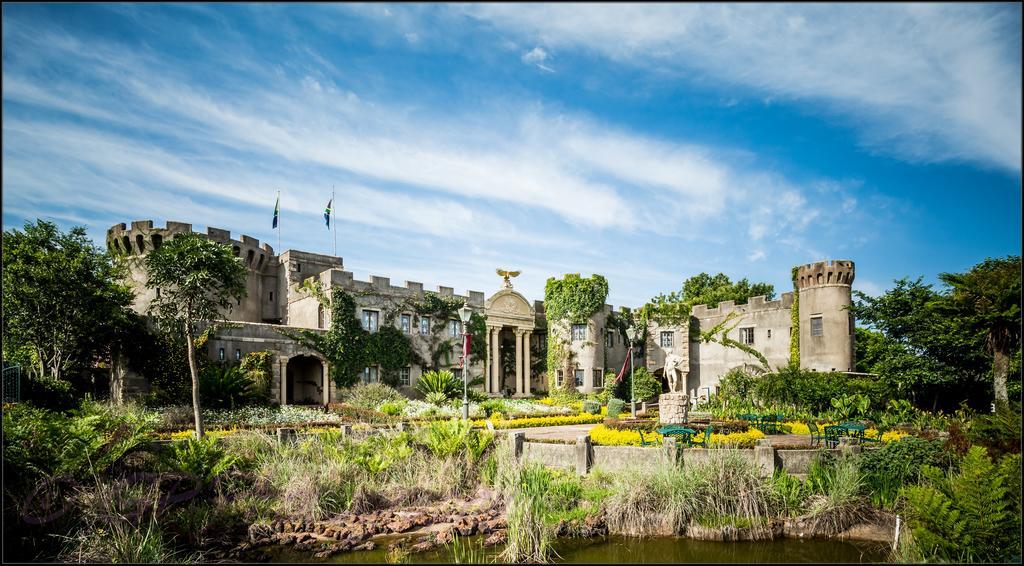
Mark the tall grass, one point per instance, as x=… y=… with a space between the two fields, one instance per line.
x=665 y=499
x=836 y=503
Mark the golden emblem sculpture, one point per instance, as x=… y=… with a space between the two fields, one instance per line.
x=507 y=274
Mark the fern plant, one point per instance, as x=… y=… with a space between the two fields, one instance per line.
x=964 y=515
x=200 y=458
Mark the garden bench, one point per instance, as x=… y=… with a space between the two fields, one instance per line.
x=815 y=433
x=681 y=432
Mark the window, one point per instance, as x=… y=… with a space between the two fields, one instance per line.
x=747 y=335
x=579 y=332
x=320 y=318
x=457 y=372
x=598 y=378
x=370 y=320
x=542 y=341
x=558 y=377
x=816 y=329
x=424 y=325
x=220 y=354
x=238 y=355
x=370 y=375
x=406 y=323
x=158 y=292
x=851 y=324
x=579 y=378
x=666 y=339
x=271 y=297
x=769 y=333
x=454 y=327
x=609 y=340
x=403 y=377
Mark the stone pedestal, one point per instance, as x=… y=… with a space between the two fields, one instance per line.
x=673 y=408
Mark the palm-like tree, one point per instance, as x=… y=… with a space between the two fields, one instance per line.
x=988 y=297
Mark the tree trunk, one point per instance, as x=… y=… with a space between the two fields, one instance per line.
x=1000 y=369
x=195 y=380
x=117 y=376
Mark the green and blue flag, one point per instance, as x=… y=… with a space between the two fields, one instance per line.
x=327 y=213
x=277 y=210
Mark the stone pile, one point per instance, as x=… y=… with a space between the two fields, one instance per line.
x=673 y=408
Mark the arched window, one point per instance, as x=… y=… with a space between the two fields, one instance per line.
x=249 y=257
x=126 y=244
x=141 y=243
x=820 y=279
x=158 y=240
x=260 y=264
x=320 y=319
x=238 y=250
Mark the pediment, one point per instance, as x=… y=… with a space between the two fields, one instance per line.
x=509 y=305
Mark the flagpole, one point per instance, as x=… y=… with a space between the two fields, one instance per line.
x=333 y=223
x=279 y=250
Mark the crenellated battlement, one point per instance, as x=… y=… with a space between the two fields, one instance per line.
x=347 y=280
x=825 y=273
x=143 y=238
x=754 y=304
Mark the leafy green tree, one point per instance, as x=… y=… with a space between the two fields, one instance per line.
x=987 y=298
x=921 y=350
x=62 y=303
x=199 y=279
x=704 y=289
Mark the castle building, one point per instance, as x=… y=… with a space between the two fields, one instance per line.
x=517 y=330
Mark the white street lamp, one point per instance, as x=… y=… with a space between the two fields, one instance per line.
x=632 y=334
x=465 y=313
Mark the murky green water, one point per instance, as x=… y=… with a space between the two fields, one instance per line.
x=612 y=550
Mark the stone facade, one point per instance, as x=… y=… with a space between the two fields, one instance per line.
x=517 y=330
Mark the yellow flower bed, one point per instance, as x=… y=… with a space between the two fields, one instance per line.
x=736 y=439
x=217 y=433
x=797 y=427
x=605 y=436
x=541 y=421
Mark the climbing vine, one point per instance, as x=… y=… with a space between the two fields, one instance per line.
x=720 y=334
x=794 y=319
x=349 y=347
x=574 y=298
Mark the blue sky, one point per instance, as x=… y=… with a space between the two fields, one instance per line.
x=647 y=143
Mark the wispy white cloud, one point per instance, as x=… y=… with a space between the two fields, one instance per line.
x=926 y=82
x=537 y=56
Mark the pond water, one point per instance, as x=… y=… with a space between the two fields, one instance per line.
x=614 y=549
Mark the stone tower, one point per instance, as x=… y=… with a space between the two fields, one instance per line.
x=826 y=324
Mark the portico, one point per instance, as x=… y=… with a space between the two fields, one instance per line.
x=510 y=323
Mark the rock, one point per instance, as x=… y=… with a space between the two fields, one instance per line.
x=421 y=520
x=368 y=545
x=286 y=539
x=422 y=546
x=260 y=532
x=303 y=547
x=466 y=526
x=305 y=537
x=323 y=553
x=498 y=537
x=446 y=536
x=288 y=527
x=399 y=526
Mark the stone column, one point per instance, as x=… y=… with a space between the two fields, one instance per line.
x=526 y=364
x=496 y=361
x=519 y=363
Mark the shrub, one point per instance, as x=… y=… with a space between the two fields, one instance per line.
x=645 y=385
x=48 y=392
x=436 y=398
x=1000 y=432
x=370 y=395
x=602 y=435
x=440 y=382
x=615 y=407
x=492 y=406
x=393 y=408
x=226 y=387
x=848 y=407
x=592 y=407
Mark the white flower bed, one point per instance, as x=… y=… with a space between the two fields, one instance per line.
x=509 y=408
x=251 y=416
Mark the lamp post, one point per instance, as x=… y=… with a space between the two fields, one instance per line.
x=465 y=313
x=632 y=334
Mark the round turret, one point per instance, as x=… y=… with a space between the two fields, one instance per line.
x=826 y=324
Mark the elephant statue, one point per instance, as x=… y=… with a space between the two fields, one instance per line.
x=675 y=373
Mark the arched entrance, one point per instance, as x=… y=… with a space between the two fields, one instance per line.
x=510 y=322
x=305 y=381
